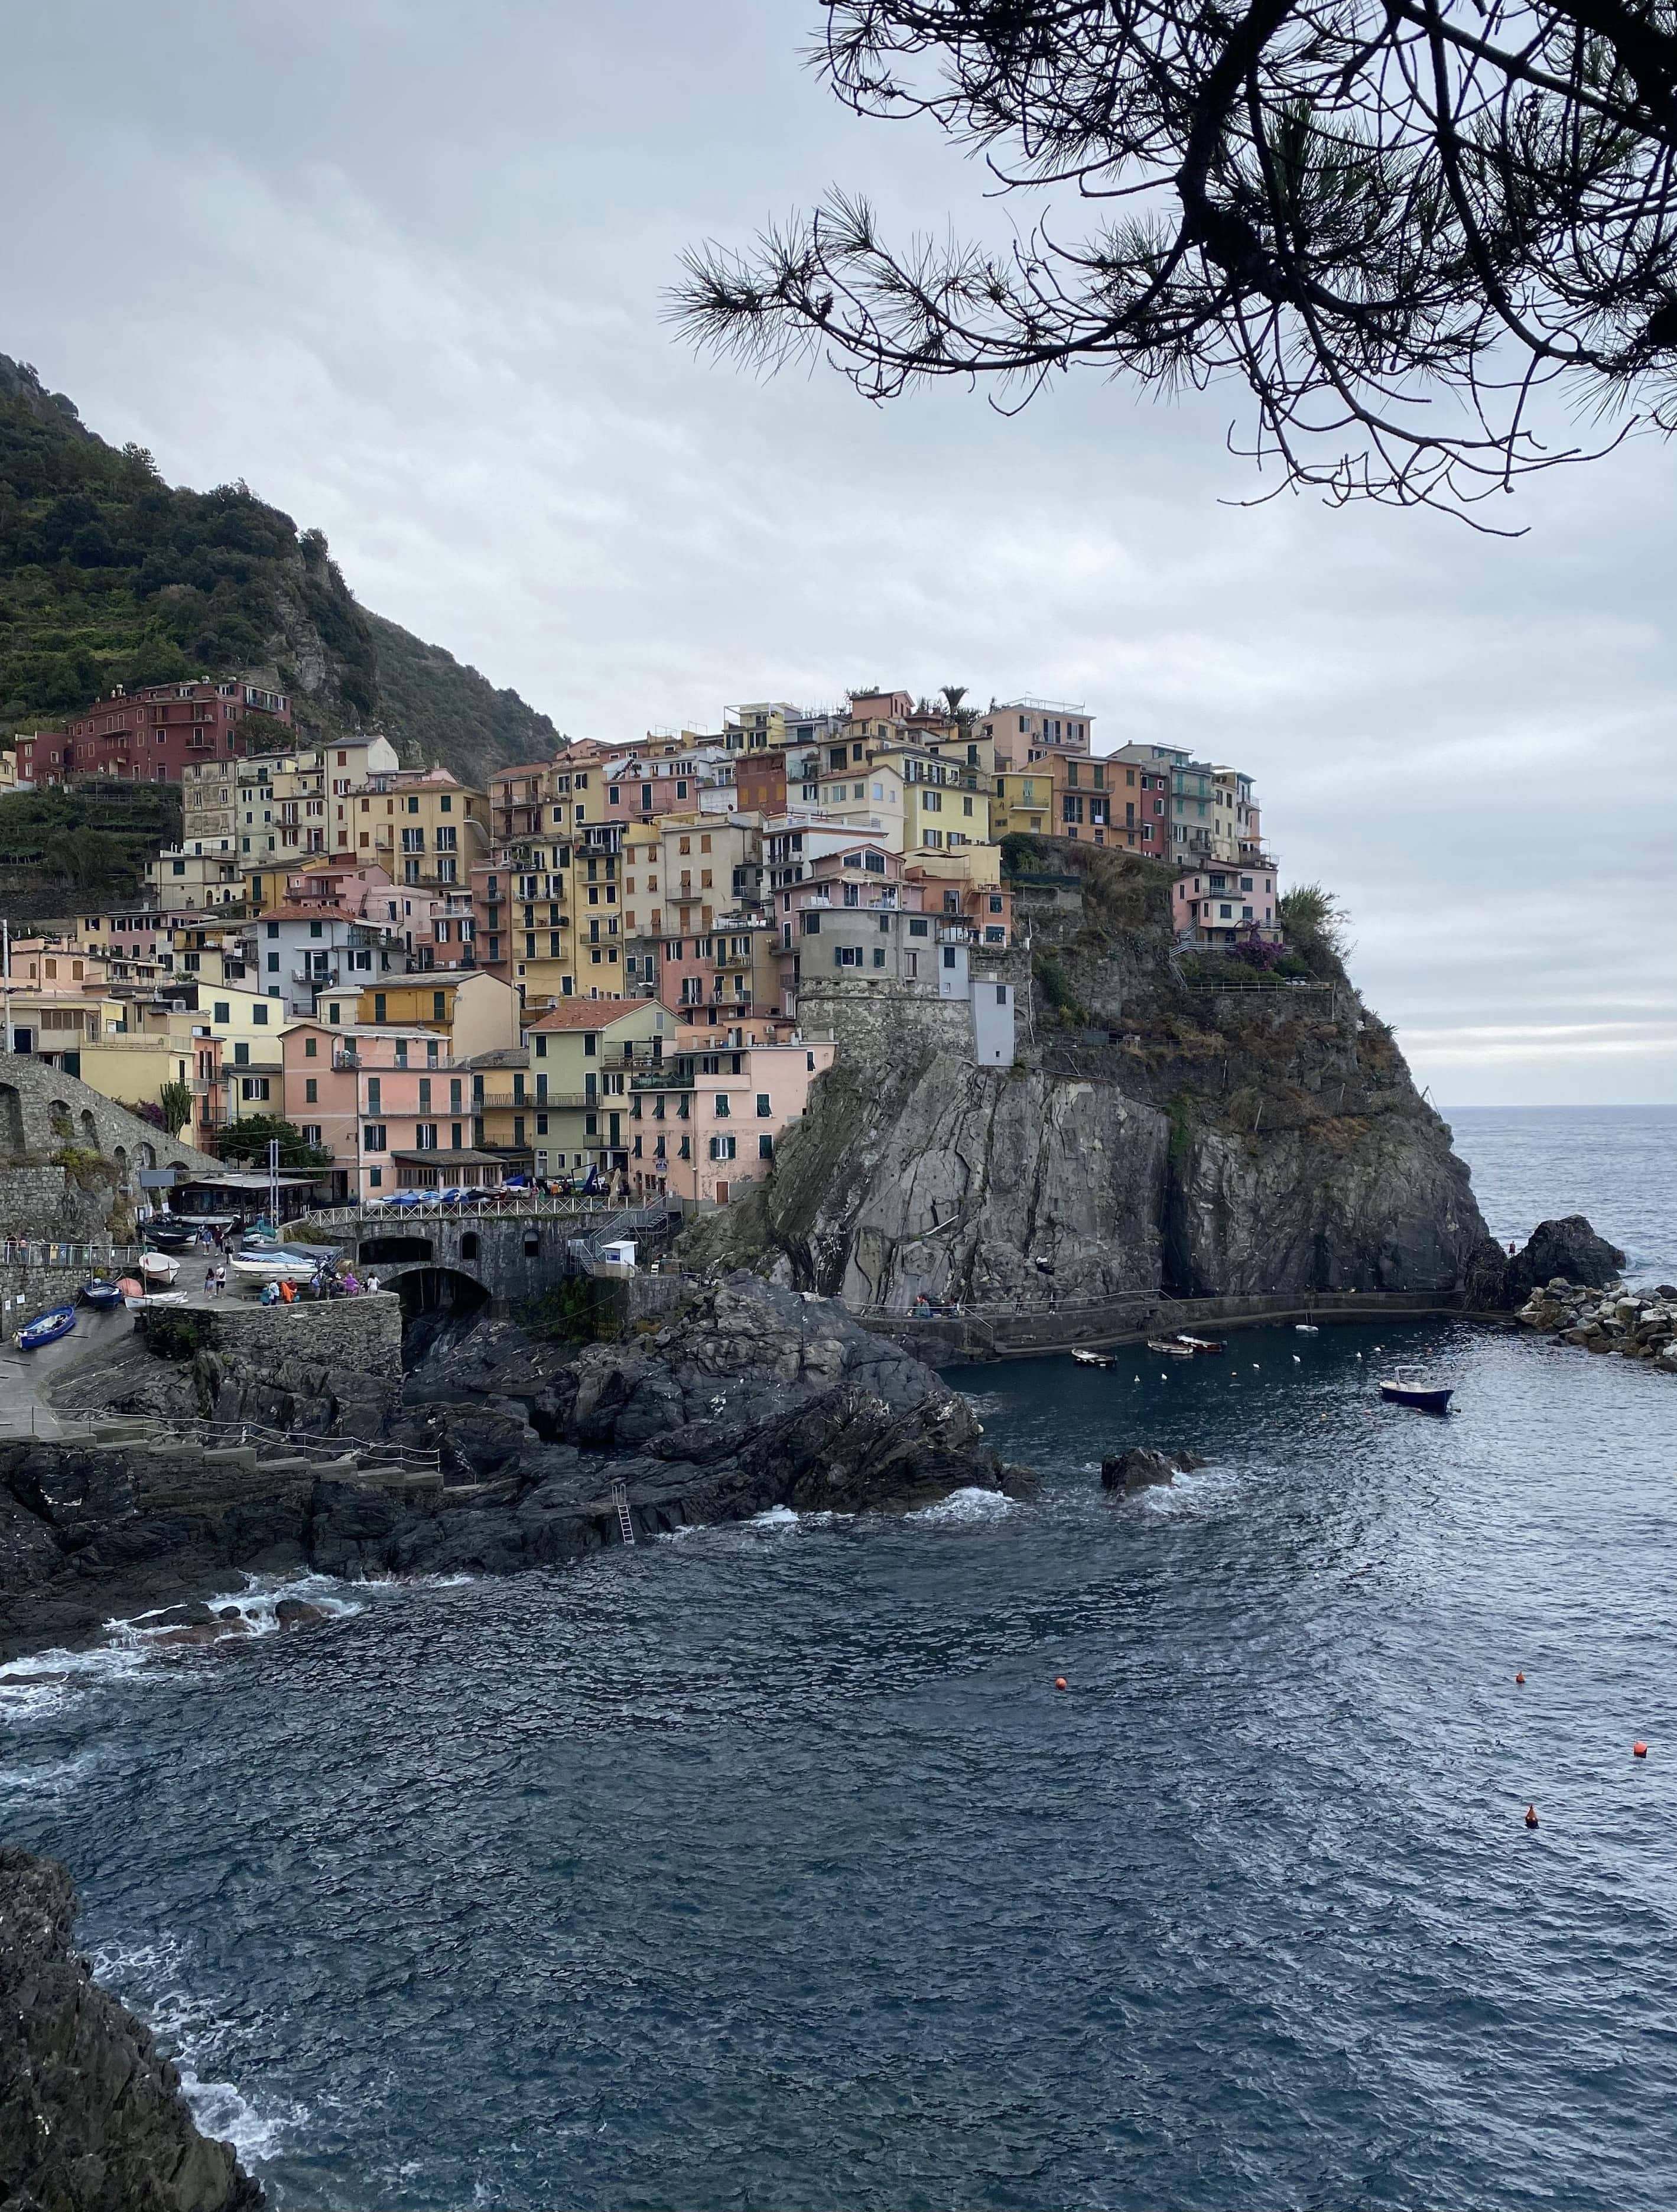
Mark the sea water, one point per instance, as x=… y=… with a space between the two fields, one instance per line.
x=767 y=1866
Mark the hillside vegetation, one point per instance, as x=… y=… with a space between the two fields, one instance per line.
x=110 y=576
x=88 y=845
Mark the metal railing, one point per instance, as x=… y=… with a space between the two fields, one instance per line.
x=513 y=1206
x=49 y=1252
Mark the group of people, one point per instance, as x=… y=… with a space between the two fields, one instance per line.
x=324 y=1283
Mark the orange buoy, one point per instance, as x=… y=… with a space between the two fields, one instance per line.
x=1519 y=1678
x=1638 y=1750
x=1531 y=1816
x=1060 y=1682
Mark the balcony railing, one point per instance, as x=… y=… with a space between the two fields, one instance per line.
x=663 y=1079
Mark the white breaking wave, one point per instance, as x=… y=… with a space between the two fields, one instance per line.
x=964 y=1508
x=151 y=1980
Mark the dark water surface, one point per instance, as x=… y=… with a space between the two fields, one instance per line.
x=765 y=1867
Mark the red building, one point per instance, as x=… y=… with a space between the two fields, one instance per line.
x=148 y=735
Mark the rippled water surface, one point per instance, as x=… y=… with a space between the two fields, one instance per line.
x=766 y=1867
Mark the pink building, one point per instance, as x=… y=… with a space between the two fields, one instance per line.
x=710 y=1120
x=1220 y=905
x=390 y=1106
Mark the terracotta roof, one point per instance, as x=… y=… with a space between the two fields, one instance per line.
x=588 y=1013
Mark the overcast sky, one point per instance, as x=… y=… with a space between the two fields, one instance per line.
x=400 y=266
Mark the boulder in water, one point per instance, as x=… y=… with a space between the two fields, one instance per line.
x=1141 y=1466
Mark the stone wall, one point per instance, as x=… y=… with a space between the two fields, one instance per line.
x=866 y=1019
x=42 y=1111
x=27 y=1292
x=362 y=1334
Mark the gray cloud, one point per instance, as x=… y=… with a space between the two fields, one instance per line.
x=400 y=266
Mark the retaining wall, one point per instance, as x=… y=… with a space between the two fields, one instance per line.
x=363 y=1334
x=945 y=1339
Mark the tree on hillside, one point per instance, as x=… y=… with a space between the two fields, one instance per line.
x=1418 y=229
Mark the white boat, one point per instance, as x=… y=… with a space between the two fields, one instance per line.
x=159 y=1266
x=1095 y=1359
x=1170 y=1347
x=158 y=1299
x=276 y=1267
x=1306 y=1328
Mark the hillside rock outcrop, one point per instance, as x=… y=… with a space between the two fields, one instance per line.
x=91 y=2114
x=1159 y=1130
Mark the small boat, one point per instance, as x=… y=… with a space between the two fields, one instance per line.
x=1096 y=1359
x=171 y=1236
x=102 y=1296
x=1170 y=1345
x=1200 y=1343
x=277 y=1267
x=130 y=1285
x=1406 y=1388
x=46 y=1329
x=145 y=1302
x=159 y=1266
x=1306 y=1328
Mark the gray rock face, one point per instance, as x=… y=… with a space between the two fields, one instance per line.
x=1200 y=1144
x=1569 y=1247
x=1567 y=1251
x=91 y=2117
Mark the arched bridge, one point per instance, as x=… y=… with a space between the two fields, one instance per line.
x=437 y=1256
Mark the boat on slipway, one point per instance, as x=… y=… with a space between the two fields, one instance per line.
x=46 y=1329
x=159 y=1268
x=278 y=1265
x=102 y=1296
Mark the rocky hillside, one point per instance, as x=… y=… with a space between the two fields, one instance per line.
x=1158 y=1131
x=110 y=576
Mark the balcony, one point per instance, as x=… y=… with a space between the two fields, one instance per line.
x=663 y=1079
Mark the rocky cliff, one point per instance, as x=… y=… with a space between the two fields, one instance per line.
x=751 y=1397
x=1196 y=1127
x=92 y=2119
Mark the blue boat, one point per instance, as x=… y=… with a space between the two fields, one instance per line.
x=46 y=1329
x=103 y=1297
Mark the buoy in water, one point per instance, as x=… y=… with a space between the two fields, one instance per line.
x=1060 y=1682
x=1638 y=1750
x=1531 y=1816
x=1519 y=1678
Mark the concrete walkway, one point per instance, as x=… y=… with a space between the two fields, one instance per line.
x=25 y=1377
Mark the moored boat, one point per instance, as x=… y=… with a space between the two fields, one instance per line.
x=159 y=1266
x=1171 y=1346
x=1407 y=1388
x=1200 y=1343
x=1095 y=1359
x=46 y=1329
x=1306 y=1328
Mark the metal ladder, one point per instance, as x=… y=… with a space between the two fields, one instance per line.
x=625 y=1520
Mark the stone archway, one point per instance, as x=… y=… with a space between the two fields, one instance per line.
x=12 y=1139
x=89 y=1130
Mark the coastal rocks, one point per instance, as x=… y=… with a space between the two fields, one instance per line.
x=1635 y=1324
x=91 y=2115
x=1140 y=1467
x=753 y=1397
x=1567 y=1250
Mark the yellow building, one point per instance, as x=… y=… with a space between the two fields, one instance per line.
x=424 y=829
x=478 y=1013
x=250 y=1031
x=1024 y=803
x=583 y=1058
